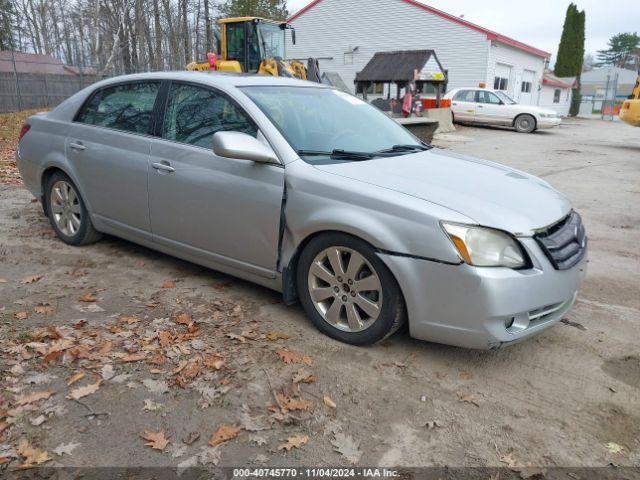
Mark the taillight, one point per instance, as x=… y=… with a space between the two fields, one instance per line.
x=24 y=130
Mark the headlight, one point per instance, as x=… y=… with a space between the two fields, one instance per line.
x=485 y=247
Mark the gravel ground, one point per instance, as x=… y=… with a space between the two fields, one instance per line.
x=236 y=361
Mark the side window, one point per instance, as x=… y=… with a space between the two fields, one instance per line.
x=126 y=107
x=488 y=97
x=194 y=114
x=556 y=95
x=500 y=83
x=465 y=96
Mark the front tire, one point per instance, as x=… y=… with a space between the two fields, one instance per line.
x=525 y=123
x=347 y=291
x=67 y=212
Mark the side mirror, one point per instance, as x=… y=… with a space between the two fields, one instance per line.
x=242 y=147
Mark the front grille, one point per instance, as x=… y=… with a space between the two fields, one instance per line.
x=565 y=242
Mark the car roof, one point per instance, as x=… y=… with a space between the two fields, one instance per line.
x=222 y=79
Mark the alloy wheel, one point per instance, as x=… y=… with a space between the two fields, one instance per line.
x=65 y=208
x=345 y=289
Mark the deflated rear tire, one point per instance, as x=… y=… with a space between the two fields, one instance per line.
x=347 y=291
x=67 y=212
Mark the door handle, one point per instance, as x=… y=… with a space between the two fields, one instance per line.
x=77 y=146
x=479 y=106
x=454 y=103
x=163 y=166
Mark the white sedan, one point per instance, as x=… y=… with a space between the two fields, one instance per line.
x=493 y=107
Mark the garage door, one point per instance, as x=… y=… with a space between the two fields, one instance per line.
x=527 y=87
x=502 y=80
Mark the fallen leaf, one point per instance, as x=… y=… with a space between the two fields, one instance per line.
x=129 y=320
x=431 y=424
x=151 y=406
x=614 y=447
x=33 y=397
x=21 y=315
x=289 y=356
x=88 y=298
x=30 y=279
x=275 y=336
x=80 y=392
x=155 y=440
x=32 y=456
x=106 y=347
x=293 y=404
x=510 y=461
x=213 y=361
x=169 y=284
x=44 y=309
x=294 y=442
x=302 y=376
x=465 y=376
x=75 y=377
x=156 y=386
x=224 y=434
x=39 y=420
x=79 y=324
x=235 y=336
x=468 y=398
x=184 y=319
x=192 y=438
x=3 y=280
x=65 y=449
x=133 y=357
x=53 y=356
x=328 y=402
x=346 y=446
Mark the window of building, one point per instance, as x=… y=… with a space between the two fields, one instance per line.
x=526 y=87
x=500 y=83
x=195 y=114
x=556 y=95
x=125 y=107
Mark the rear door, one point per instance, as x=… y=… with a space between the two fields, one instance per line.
x=463 y=105
x=109 y=145
x=215 y=208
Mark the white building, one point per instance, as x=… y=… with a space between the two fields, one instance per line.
x=556 y=93
x=345 y=34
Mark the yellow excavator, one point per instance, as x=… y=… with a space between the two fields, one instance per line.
x=254 y=45
x=630 y=110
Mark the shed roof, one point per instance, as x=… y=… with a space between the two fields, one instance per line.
x=398 y=66
x=491 y=35
x=560 y=82
x=32 y=63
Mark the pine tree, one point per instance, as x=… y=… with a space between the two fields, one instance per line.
x=271 y=9
x=571 y=51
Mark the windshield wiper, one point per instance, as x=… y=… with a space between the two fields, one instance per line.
x=405 y=148
x=338 y=154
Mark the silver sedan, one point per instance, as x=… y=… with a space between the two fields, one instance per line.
x=310 y=191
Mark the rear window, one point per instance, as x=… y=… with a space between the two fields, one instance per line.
x=127 y=107
x=465 y=96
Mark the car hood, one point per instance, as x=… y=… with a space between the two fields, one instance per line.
x=488 y=193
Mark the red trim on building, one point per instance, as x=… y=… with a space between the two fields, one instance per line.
x=490 y=34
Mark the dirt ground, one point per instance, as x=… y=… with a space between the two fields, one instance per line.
x=230 y=376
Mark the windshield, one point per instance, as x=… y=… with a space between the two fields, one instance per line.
x=317 y=120
x=271 y=38
x=505 y=98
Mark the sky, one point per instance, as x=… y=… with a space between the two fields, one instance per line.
x=539 y=23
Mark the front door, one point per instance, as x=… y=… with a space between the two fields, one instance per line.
x=108 y=146
x=490 y=109
x=219 y=209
